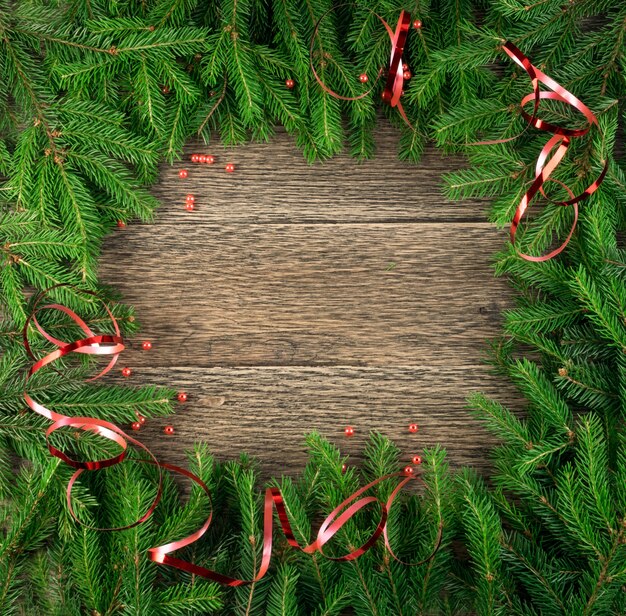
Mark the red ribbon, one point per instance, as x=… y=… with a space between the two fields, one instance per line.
x=560 y=142
x=395 y=75
x=329 y=528
x=92 y=345
x=113 y=345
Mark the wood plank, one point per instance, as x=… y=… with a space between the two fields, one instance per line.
x=267 y=410
x=300 y=297
x=273 y=183
x=346 y=294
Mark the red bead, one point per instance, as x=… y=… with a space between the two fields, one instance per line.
x=363 y=78
x=121 y=224
x=407 y=75
x=417 y=459
x=135 y=425
x=168 y=430
x=348 y=431
x=417 y=24
x=386 y=95
x=182 y=173
x=290 y=83
x=344 y=468
x=405 y=67
x=413 y=428
x=408 y=470
x=190 y=199
x=230 y=167
x=141 y=419
x=202 y=159
x=195 y=158
x=189 y=206
x=126 y=371
x=182 y=396
x=146 y=345
x=165 y=89
x=210 y=159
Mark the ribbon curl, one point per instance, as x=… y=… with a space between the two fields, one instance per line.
x=394 y=83
x=560 y=141
x=113 y=345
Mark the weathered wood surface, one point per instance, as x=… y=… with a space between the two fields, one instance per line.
x=301 y=297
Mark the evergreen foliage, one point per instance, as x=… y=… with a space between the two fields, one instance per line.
x=93 y=94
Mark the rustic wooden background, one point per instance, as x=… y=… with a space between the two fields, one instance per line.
x=299 y=297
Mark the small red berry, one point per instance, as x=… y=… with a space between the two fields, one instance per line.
x=165 y=89
x=141 y=419
x=405 y=67
x=195 y=158
x=126 y=371
x=344 y=468
x=417 y=24
x=189 y=206
x=413 y=428
x=169 y=430
x=408 y=470
x=290 y=83
x=190 y=199
x=135 y=425
x=121 y=224
x=348 y=431
x=182 y=396
x=146 y=345
x=182 y=173
x=417 y=459
x=230 y=167
x=407 y=75
x=210 y=159
x=202 y=159
x=363 y=78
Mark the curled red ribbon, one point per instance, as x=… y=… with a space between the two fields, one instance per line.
x=329 y=528
x=92 y=344
x=560 y=142
x=395 y=75
x=113 y=345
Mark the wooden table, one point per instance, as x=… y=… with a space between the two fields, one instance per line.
x=304 y=297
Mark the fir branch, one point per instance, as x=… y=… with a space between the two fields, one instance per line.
x=181 y=599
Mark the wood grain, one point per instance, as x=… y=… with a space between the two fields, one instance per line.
x=342 y=294
x=267 y=410
x=273 y=183
x=301 y=297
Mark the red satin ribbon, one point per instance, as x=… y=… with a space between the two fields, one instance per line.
x=92 y=345
x=113 y=345
x=560 y=141
x=395 y=75
x=329 y=528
